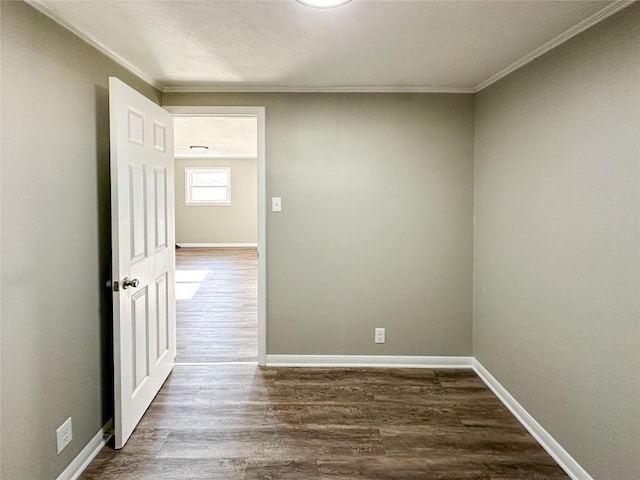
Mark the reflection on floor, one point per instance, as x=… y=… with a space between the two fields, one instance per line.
x=241 y=422
x=216 y=305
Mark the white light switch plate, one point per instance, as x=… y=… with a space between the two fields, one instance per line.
x=276 y=204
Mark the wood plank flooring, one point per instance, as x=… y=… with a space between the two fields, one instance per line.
x=242 y=422
x=220 y=322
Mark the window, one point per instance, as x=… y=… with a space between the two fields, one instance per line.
x=208 y=186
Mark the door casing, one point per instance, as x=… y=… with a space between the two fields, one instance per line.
x=259 y=113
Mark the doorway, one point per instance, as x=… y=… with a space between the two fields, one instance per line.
x=220 y=234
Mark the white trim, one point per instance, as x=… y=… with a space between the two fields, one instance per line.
x=217 y=245
x=209 y=204
x=262 y=236
x=95 y=43
x=212 y=111
x=294 y=89
x=212 y=157
x=88 y=453
x=553 y=448
x=211 y=364
x=544 y=438
x=600 y=15
x=259 y=113
x=394 y=361
x=590 y=21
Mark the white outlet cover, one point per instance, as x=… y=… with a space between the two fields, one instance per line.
x=276 y=204
x=64 y=435
x=380 y=335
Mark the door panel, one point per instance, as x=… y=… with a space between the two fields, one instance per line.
x=159 y=135
x=138 y=226
x=162 y=301
x=160 y=184
x=140 y=344
x=142 y=191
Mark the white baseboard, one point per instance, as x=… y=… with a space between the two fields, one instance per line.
x=395 y=361
x=88 y=453
x=553 y=448
x=217 y=245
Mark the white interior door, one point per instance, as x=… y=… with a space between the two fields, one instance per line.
x=143 y=238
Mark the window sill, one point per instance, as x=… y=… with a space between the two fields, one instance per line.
x=210 y=204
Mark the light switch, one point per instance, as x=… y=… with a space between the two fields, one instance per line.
x=276 y=204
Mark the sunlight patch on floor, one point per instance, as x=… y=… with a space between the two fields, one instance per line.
x=188 y=283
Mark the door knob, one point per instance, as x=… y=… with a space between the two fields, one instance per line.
x=126 y=283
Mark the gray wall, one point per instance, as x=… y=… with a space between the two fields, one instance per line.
x=376 y=227
x=556 y=292
x=235 y=223
x=557 y=302
x=55 y=241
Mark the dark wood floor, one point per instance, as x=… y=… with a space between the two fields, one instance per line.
x=229 y=422
x=220 y=323
x=241 y=422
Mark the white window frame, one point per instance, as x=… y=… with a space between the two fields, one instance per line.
x=188 y=171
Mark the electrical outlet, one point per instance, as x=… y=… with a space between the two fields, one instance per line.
x=380 y=334
x=64 y=435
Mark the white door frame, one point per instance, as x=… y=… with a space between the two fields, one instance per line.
x=259 y=113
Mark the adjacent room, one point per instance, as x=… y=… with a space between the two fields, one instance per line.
x=383 y=240
x=216 y=238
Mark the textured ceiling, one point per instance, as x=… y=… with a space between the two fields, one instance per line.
x=224 y=137
x=263 y=44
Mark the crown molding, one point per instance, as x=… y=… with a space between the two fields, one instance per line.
x=256 y=89
x=95 y=43
x=600 y=15
x=592 y=20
